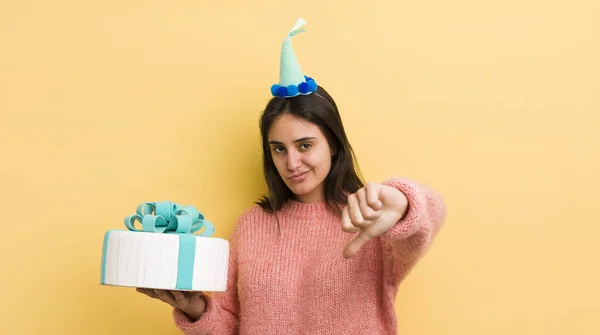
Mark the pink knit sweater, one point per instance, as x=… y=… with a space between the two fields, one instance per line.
x=299 y=283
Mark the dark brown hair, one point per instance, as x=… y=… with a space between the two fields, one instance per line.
x=320 y=109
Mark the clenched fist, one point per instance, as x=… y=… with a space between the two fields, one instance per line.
x=371 y=211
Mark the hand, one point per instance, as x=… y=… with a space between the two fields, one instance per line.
x=189 y=302
x=371 y=211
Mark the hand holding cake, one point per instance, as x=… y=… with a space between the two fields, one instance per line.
x=188 y=302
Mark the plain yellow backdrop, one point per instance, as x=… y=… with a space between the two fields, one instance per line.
x=104 y=105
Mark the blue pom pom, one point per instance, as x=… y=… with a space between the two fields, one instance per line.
x=281 y=92
x=307 y=78
x=303 y=88
x=312 y=85
x=292 y=90
x=274 y=89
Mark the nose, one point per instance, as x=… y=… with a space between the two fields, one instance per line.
x=294 y=160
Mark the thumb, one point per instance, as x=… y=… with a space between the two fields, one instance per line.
x=354 y=246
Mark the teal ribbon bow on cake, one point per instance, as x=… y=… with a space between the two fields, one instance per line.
x=166 y=217
x=169 y=217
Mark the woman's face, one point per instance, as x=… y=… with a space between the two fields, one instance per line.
x=301 y=155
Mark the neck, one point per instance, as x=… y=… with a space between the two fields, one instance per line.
x=309 y=198
x=315 y=196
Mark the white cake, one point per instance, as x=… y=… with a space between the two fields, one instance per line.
x=165 y=253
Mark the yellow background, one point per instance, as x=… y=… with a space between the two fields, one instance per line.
x=104 y=105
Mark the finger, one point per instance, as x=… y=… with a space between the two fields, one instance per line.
x=347 y=226
x=180 y=298
x=148 y=292
x=356 y=217
x=191 y=295
x=368 y=213
x=166 y=296
x=373 y=196
x=354 y=246
x=194 y=295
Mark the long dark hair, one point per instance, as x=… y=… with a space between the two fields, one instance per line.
x=320 y=109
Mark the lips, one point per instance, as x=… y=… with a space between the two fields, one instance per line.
x=298 y=175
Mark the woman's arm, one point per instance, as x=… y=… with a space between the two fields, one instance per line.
x=411 y=237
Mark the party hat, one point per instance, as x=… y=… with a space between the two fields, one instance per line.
x=292 y=81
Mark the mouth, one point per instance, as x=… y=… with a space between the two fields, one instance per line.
x=298 y=176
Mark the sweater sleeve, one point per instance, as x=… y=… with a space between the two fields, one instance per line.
x=222 y=308
x=411 y=237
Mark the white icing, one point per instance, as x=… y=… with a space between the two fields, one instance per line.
x=140 y=259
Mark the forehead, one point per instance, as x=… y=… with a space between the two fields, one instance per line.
x=290 y=127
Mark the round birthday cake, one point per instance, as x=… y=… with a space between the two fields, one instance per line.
x=173 y=250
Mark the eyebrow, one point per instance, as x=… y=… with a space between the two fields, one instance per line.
x=296 y=141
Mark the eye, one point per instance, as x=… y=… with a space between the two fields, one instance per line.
x=278 y=149
x=305 y=146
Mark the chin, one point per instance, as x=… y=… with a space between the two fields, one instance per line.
x=301 y=189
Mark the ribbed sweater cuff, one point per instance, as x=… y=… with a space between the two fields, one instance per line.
x=416 y=212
